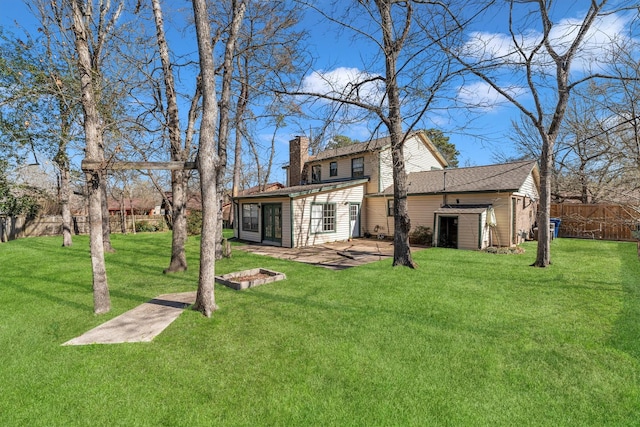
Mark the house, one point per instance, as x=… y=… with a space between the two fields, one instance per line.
x=227 y=203
x=347 y=192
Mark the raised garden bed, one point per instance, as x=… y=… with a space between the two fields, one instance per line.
x=249 y=278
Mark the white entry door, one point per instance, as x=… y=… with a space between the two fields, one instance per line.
x=354 y=219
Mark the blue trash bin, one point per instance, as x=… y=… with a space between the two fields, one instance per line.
x=556 y=222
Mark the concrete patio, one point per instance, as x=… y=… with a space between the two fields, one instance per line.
x=335 y=255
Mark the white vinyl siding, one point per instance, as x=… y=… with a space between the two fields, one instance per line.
x=529 y=188
x=418 y=157
x=386 y=170
x=303 y=221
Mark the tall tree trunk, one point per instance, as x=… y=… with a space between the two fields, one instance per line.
x=393 y=121
x=207 y=163
x=62 y=160
x=241 y=106
x=238 y=9
x=178 y=178
x=543 y=254
x=93 y=152
x=106 y=223
x=123 y=215
x=66 y=209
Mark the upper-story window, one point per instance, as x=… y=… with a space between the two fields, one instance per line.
x=316 y=173
x=333 y=169
x=357 y=167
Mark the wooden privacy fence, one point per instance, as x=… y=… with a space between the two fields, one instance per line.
x=603 y=222
x=17 y=227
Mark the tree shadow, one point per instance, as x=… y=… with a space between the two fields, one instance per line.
x=626 y=329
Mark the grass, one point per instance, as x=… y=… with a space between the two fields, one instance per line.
x=467 y=339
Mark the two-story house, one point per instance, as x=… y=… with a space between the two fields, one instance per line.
x=347 y=192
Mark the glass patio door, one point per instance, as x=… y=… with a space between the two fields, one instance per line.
x=272 y=222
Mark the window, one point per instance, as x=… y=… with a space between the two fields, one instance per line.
x=357 y=167
x=390 y=207
x=316 y=173
x=333 y=169
x=250 y=217
x=323 y=218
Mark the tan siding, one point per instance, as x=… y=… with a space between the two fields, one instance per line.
x=302 y=216
x=525 y=218
x=377 y=222
x=421 y=210
x=468 y=230
x=501 y=204
x=344 y=169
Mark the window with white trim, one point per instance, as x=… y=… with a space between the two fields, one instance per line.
x=323 y=217
x=250 y=216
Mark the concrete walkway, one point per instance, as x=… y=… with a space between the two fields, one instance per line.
x=141 y=324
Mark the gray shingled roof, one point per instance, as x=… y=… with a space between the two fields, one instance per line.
x=362 y=147
x=300 y=190
x=502 y=177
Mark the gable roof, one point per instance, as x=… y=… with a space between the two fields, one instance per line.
x=501 y=177
x=375 y=145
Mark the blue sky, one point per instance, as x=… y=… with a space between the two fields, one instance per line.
x=490 y=125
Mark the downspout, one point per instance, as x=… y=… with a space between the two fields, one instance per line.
x=479 y=231
x=292 y=217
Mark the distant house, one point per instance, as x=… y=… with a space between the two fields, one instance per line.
x=135 y=206
x=194 y=203
x=347 y=192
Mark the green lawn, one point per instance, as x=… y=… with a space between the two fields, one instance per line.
x=467 y=339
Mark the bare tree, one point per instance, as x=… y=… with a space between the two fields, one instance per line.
x=412 y=74
x=238 y=8
x=178 y=152
x=268 y=49
x=207 y=162
x=88 y=66
x=544 y=64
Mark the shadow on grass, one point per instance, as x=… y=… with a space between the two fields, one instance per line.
x=627 y=326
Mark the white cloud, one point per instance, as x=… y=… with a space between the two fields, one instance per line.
x=481 y=96
x=343 y=82
x=500 y=48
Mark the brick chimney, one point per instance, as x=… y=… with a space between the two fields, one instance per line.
x=298 y=155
